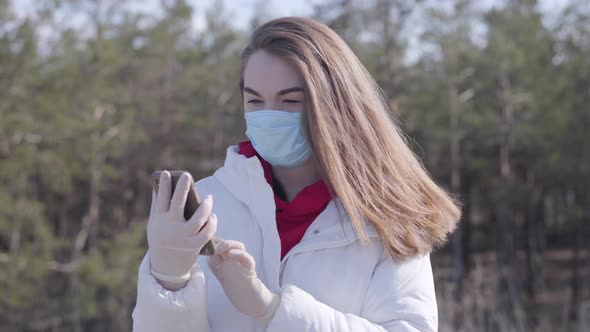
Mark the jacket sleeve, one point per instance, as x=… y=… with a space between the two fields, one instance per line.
x=400 y=298
x=158 y=309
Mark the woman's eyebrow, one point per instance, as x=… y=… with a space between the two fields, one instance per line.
x=280 y=93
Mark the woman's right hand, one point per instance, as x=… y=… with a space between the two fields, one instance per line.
x=175 y=243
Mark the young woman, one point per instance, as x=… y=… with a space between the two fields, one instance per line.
x=328 y=218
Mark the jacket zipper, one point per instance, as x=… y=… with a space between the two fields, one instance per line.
x=310 y=248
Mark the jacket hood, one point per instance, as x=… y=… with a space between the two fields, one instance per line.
x=244 y=178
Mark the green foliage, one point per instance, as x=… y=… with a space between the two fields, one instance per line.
x=88 y=112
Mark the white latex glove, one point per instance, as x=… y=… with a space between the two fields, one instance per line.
x=175 y=243
x=234 y=267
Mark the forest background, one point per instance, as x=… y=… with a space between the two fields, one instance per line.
x=494 y=97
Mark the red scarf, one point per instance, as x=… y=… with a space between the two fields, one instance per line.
x=293 y=218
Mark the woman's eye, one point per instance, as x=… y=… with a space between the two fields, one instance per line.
x=254 y=101
x=291 y=101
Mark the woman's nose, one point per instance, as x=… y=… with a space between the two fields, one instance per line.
x=271 y=105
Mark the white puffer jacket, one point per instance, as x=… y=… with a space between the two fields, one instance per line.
x=329 y=281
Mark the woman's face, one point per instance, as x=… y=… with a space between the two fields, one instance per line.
x=272 y=83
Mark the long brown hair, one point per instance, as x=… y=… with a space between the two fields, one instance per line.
x=363 y=157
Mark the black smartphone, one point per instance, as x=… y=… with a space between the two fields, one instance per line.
x=192 y=204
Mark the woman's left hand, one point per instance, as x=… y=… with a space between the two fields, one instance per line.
x=234 y=267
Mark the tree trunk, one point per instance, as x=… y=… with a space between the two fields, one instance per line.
x=578 y=238
x=507 y=249
x=457 y=240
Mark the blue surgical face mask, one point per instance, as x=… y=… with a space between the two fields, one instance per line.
x=278 y=137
